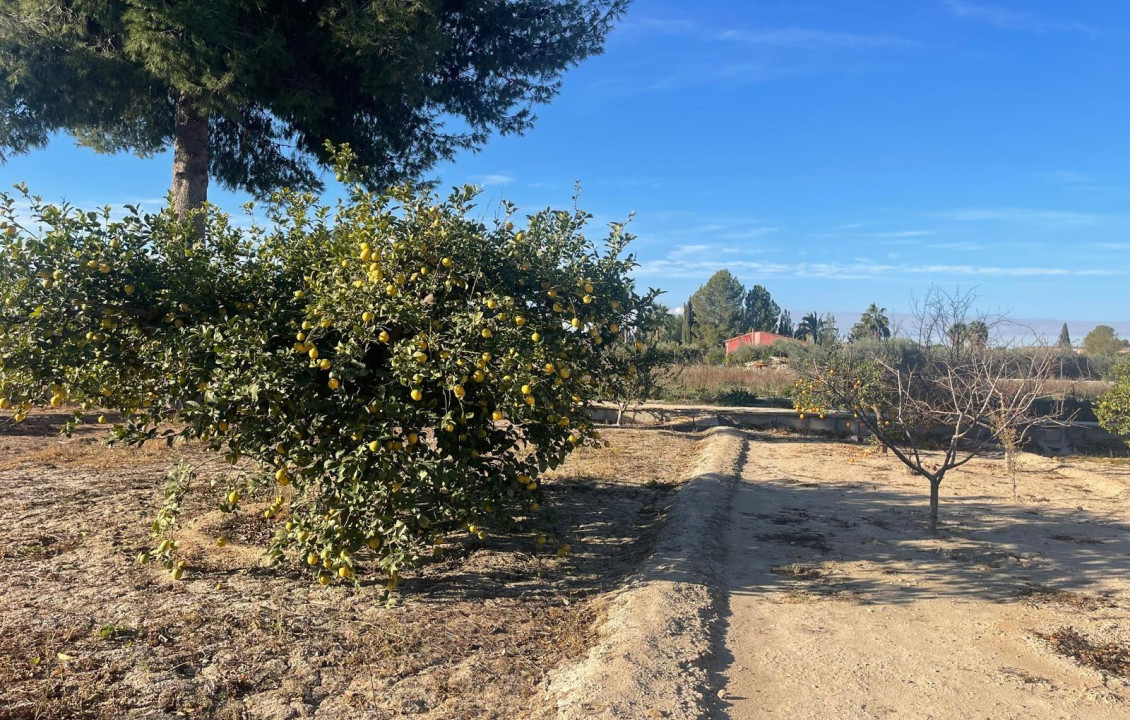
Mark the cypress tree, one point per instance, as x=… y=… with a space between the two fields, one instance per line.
x=688 y=323
x=1064 y=337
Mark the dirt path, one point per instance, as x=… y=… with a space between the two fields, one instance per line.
x=842 y=605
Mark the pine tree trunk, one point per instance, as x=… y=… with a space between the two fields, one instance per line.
x=190 y=157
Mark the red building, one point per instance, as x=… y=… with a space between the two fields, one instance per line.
x=753 y=338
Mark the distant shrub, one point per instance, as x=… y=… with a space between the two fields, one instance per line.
x=1113 y=407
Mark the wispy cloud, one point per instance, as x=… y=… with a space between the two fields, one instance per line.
x=962 y=246
x=1066 y=177
x=694 y=262
x=1111 y=245
x=808 y=39
x=493 y=179
x=1018 y=215
x=748 y=233
x=1009 y=19
x=903 y=234
x=744 y=56
x=662 y=26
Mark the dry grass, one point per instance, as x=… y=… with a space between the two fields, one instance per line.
x=1107 y=658
x=720 y=384
x=1042 y=595
x=87 y=454
x=85 y=632
x=1080 y=389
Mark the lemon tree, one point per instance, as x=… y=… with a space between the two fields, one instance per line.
x=397 y=369
x=1113 y=407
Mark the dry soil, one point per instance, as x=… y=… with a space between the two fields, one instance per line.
x=86 y=632
x=842 y=604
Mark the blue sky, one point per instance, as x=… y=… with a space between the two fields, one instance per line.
x=839 y=152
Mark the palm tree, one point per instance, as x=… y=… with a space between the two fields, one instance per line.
x=958 y=334
x=873 y=324
x=809 y=328
x=978 y=333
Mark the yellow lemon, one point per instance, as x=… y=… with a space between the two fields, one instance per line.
x=459 y=391
x=233 y=497
x=417 y=395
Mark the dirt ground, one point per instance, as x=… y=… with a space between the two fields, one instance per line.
x=843 y=605
x=86 y=632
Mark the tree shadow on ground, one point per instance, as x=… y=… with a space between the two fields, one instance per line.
x=827 y=534
x=875 y=546
x=609 y=528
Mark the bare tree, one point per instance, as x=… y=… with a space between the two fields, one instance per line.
x=938 y=400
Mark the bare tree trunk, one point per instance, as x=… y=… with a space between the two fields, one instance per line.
x=934 y=486
x=620 y=408
x=190 y=157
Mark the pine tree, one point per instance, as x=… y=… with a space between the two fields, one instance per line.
x=249 y=93
x=718 y=308
x=760 y=311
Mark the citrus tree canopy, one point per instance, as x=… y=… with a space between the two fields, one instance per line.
x=382 y=373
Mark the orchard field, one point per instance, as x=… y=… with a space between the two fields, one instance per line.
x=87 y=632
